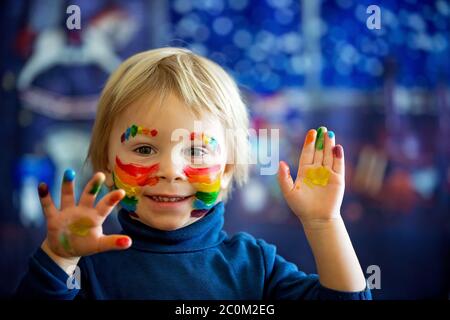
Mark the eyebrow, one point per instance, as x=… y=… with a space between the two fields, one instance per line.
x=206 y=140
x=134 y=130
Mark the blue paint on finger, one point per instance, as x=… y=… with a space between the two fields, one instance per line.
x=69 y=175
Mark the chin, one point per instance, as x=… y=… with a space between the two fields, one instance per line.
x=165 y=222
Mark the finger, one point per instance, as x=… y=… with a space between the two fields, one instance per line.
x=284 y=178
x=46 y=201
x=91 y=190
x=307 y=155
x=113 y=242
x=318 y=153
x=328 y=150
x=67 y=194
x=108 y=202
x=338 y=161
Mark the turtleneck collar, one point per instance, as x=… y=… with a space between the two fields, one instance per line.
x=202 y=234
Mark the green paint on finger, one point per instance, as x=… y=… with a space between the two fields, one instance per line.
x=320 y=139
x=96 y=187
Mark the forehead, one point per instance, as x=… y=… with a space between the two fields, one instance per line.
x=167 y=115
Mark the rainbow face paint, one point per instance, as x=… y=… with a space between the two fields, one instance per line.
x=207 y=183
x=316 y=176
x=134 y=130
x=206 y=141
x=205 y=180
x=130 y=178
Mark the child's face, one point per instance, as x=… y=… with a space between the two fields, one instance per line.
x=168 y=184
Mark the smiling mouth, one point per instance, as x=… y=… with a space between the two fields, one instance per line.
x=159 y=198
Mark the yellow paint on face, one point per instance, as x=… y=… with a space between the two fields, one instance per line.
x=208 y=187
x=131 y=191
x=81 y=227
x=317 y=176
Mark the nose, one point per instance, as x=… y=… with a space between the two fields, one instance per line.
x=171 y=170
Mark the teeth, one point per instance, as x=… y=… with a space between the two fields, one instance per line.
x=167 y=199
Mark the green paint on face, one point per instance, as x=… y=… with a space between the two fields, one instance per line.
x=320 y=139
x=133 y=130
x=207 y=197
x=129 y=201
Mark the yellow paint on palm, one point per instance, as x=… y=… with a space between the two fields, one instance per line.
x=317 y=176
x=81 y=227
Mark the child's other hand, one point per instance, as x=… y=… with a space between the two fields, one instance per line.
x=76 y=230
x=316 y=195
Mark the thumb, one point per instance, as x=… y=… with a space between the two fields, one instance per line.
x=113 y=242
x=284 y=178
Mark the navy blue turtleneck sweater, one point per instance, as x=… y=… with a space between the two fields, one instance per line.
x=199 y=261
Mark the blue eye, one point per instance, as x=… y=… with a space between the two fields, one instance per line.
x=145 y=150
x=195 y=152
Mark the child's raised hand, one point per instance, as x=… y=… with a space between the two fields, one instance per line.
x=316 y=195
x=76 y=230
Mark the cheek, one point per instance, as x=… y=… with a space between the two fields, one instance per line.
x=131 y=177
x=206 y=181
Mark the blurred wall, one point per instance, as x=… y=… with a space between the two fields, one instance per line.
x=300 y=64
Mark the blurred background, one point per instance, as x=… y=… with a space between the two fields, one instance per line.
x=300 y=64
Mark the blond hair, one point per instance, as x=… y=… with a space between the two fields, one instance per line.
x=199 y=82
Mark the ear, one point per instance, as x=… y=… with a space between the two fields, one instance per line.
x=226 y=177
x=109 y=178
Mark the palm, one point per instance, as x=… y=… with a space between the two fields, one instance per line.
x=85 y=241
x=319 y=187
x=319 y=202
x=76 y=229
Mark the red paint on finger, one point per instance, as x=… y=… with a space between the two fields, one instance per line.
x=337 y=151
x=123 y=242
x=43 y=190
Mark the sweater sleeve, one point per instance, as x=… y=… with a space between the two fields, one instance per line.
x=44 y=279
x=283 y=281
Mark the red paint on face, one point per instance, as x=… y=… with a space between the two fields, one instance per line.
x=133 y=174
x=136 y=170
x=190 y=171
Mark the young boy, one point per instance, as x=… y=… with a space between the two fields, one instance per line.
x=160 y=142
